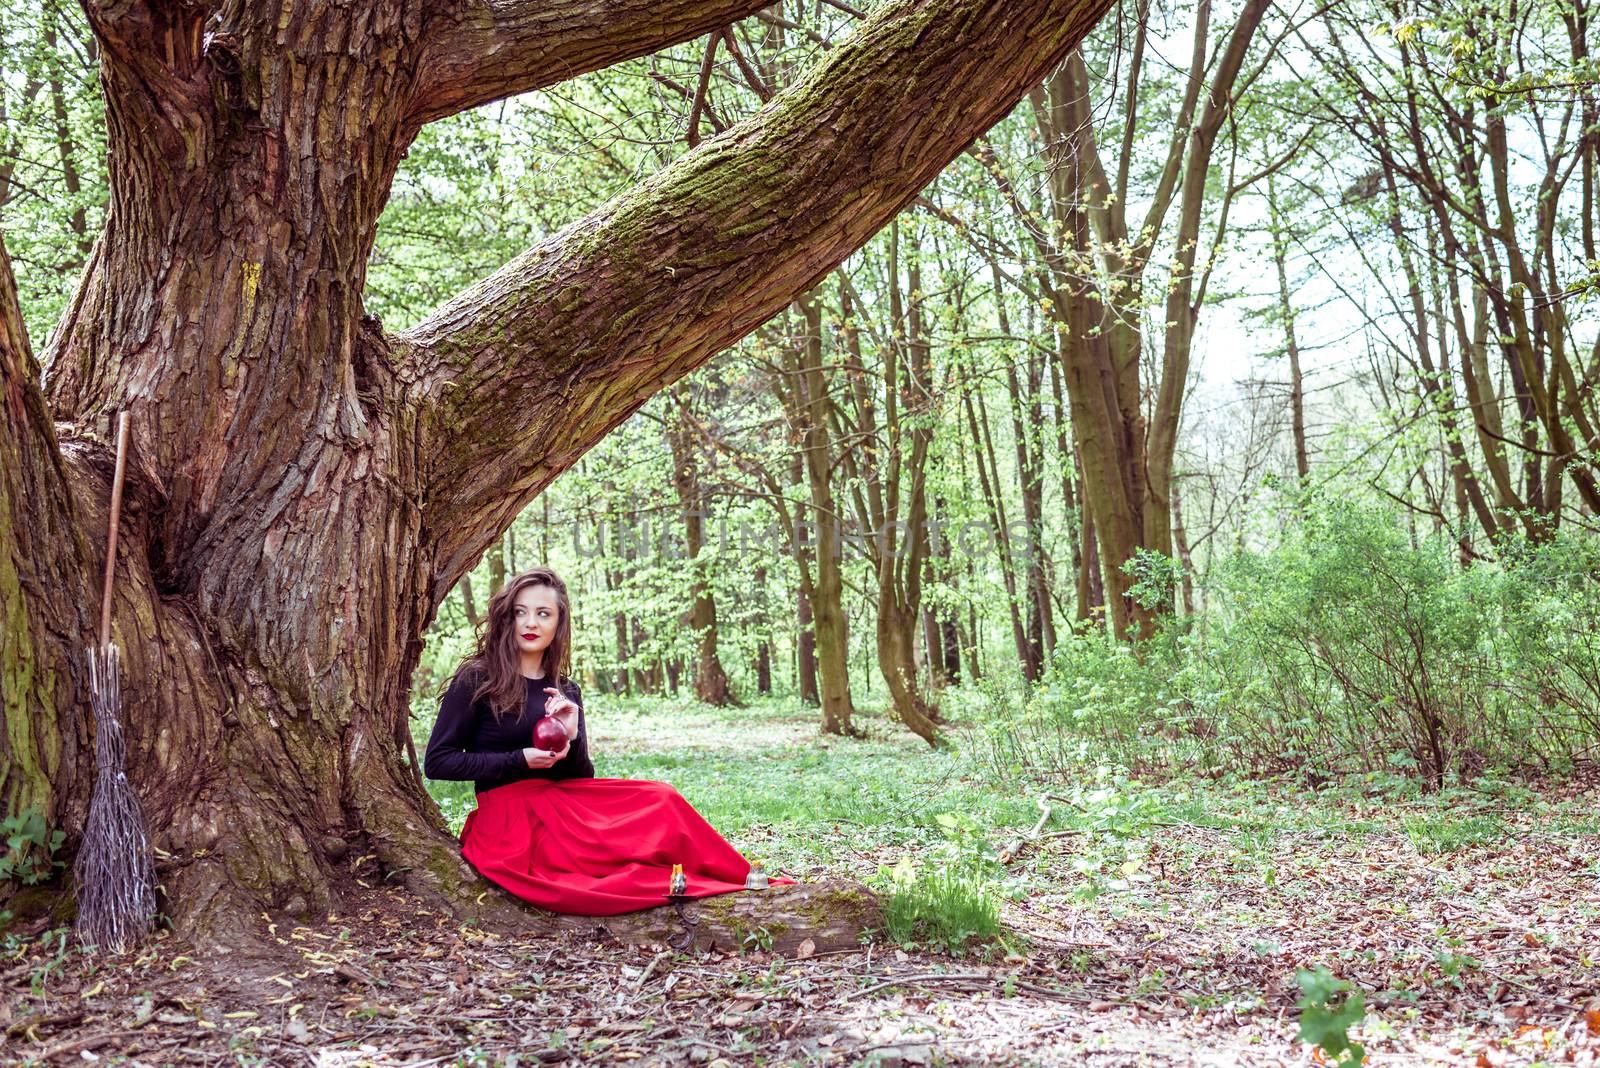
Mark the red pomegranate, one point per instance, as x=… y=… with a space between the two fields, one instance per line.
x=549 y=735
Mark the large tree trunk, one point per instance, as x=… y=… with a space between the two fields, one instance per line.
x=305 y=489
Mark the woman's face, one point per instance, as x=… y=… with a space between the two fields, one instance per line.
x=537 y=611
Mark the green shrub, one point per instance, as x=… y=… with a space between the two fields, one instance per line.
x=1326 y=1023
x=1100 y=700
x=30 y=849
x=1350 y=644
x=1346 y=645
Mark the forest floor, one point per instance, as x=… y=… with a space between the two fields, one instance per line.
x=1152 y=923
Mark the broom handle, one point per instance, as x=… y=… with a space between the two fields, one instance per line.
x=111 y=536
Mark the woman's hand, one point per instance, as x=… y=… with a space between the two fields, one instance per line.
x=543 y=758
x=559 y=707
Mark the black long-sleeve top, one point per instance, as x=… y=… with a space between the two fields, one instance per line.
x=469 y=743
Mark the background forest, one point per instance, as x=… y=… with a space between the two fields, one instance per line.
x=1231 y=403
x=1169 y=544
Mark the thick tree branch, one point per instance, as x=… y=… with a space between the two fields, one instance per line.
x=527 y=370
x=483 y=50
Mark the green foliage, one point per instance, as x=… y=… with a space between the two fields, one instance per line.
x=1155 y=578
x=30 y=848
x=1095 y=703
x=1346 y=645
x=950 y=897
x=1352 y=642
x=1326 y=1023
x=53 y=959
x=758 y=939
x=1116 y=817
x=53 y=187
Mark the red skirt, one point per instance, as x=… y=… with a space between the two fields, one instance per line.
x=597 y=847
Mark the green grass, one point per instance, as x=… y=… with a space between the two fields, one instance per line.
x=807 y=805
x=937 y=904
x=1443 y=832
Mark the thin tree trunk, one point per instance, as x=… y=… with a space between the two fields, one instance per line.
x=1036 y=597
x=764 y=669
x=711 y=683
x=1070 y=501
x=648 y=678
x=976 y=640
x=71 y=179
x=944 y=644
x=806 y=650
x=763 y=664
x=544 y=532
x=827 y=593
x=1180 y=539
x=1436 y=386
x=950 y=635
x=989 y=483
x=1297 y=393
x=906 y=375
x=497 y=565
x=1091 y=591
x=619 y=621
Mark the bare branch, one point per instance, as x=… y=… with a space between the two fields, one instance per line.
x=702 y=89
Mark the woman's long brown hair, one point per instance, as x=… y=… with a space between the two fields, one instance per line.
x=496 y=662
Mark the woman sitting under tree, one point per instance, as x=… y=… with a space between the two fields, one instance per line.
x=545 y=828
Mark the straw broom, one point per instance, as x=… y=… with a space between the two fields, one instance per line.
x=116 y=884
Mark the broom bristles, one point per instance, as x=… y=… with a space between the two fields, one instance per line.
x=116 y=885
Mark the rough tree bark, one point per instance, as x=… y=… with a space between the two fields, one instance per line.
x=47 y=764
x=305 y=488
